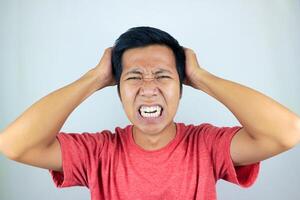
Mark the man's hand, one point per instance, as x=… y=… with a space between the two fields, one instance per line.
x=194 y=72
x=103 y=70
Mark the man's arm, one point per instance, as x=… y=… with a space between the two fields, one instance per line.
x=268 y=127
x=31 y=138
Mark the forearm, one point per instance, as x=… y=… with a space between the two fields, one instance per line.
x=40 y=123
x=260 y=115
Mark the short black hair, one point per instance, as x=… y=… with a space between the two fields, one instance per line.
x=143 y=36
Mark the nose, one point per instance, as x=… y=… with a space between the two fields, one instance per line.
x=148 y=88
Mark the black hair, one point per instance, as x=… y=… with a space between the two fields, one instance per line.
x=143 y=36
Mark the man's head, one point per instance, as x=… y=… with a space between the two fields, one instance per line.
x=141 y=37
x=149 y=68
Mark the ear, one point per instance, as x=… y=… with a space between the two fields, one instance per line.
x=119 y=94
x=181 y=90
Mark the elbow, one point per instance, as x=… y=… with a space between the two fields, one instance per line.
x=297 y=127
x=7 y=151
x=10 y=155
x=293 y=137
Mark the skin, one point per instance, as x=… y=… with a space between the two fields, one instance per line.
x=164 y=91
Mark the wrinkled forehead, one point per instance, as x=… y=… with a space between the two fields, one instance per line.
x=149 y=59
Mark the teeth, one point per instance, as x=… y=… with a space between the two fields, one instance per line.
x=150 y=111
x=149 y=108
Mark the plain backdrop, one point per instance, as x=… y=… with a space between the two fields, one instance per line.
x=45 y=45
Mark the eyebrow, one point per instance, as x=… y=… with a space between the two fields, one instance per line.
x=134 y=71
x=161 y=71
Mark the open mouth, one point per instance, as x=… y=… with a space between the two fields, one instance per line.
x=150 y=111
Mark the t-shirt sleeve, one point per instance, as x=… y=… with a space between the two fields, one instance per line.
x=218 y=140
x=78 y=152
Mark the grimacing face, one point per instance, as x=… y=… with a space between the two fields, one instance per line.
x=149 y=87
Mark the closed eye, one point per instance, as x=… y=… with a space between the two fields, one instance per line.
x=161 y=77
x=134 y=78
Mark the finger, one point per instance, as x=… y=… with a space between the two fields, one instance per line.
x=108 y=51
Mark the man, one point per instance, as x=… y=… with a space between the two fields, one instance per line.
x=154 y=158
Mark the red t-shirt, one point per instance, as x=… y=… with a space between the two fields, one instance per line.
x=114 y=167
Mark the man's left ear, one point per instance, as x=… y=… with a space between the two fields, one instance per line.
x=118 y=88
x=180 y=93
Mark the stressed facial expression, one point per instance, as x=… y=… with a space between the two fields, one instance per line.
x=149 y=87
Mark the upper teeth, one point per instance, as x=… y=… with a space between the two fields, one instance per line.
x=150 y=111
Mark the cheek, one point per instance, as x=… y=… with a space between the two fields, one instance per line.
x=172 y=91
x=127 y=94
x=172 y=96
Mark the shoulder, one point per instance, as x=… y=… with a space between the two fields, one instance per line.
x=204 y=127
x=208 y=131
x=86 y=137
x=96 y=139
x=103 y=133
x=198 y=128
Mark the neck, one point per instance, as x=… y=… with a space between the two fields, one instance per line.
x=154 y=141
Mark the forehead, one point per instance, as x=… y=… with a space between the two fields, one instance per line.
x=149 y=58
